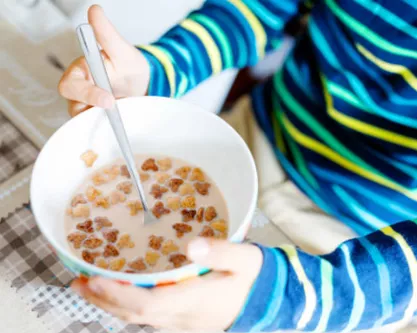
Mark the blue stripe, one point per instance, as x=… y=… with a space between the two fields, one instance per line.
x=275 y=302
x=384 y=280
x=359 y=298
x=264 y=14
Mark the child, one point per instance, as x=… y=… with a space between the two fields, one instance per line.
x=342 y=116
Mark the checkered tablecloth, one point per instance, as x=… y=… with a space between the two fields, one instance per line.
x=31 y=268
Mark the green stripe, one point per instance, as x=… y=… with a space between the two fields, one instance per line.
x=303 y=115
x=225 y=48
x=279 y=140
x=300 y=162
x=326 y=271
x=368 y=34
x=346 y=95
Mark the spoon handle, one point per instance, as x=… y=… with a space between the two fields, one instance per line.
x=98 y=71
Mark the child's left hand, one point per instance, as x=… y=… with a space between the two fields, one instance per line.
x=211 y=302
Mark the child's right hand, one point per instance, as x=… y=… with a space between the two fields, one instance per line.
x=128 y=69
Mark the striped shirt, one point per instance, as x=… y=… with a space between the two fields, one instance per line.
x=342 y=116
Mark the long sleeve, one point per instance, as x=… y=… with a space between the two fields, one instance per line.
x=366 y=282
x=221 y=34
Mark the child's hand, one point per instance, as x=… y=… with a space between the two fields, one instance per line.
x=208 y=303
x=127 y=68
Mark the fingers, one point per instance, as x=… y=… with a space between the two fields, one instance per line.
x=224 y=256
x=76 y=85
x=107 y=36
x=124 y=296
x=125 y=314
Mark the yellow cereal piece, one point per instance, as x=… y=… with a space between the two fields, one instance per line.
x=117 y=264
x=186 y=189
x=219 y=225
x=168 y=247
x=89 y=157
x=152 y=258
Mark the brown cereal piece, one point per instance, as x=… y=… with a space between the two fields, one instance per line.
x=152 y=258
x=81 y=211
x=112 y=172
x=92 y=242
x=102 y=263
x=164 y=164
x=125 y=187
x=155 y=242
x=219 y=225
x=200 y=214
x=168 y=247
x=158 y=191
x=124 y=171
x=125 y=242
x=138 y=264
x=144 y=176
x=130 y=271
x=210 y=213
x=116 y=197
x=188 y=202
x=117 y=264
x=206 y=232
x=198 y=175
x=99 y=179
x=186 y=189
x=183 y=172
x=89 y=256
x=86 y=226
x=103 y=202
x=101 y=222
x=175 y=183
x=78 y=199
x=76 y=238
x=158 y=209
x=182 y=228
x=202 y=188
x=161 y=177
x=177 y=259
x=150 y=164
x=110 y=251
x=89 y=157
x=92 y=193
x=111 y=235
x=134 y=206
x=188 y=215
x=174 y=203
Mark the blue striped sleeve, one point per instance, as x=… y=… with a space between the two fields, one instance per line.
x=220 y=35
x=365 y=283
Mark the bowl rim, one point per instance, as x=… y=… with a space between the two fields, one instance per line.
x=158 y=276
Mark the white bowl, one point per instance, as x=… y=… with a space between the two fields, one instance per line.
x=154 y=125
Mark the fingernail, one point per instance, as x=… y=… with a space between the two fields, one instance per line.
x=198 y=249
x=95 y=287
x=107 y=101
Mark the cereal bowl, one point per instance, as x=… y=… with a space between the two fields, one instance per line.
x=154 y=125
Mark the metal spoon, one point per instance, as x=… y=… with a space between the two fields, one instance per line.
x=98 y=71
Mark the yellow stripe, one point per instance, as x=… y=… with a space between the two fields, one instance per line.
x=310 y=293
x=412 y=265
x=374 y=131
x=365 y=128
x=321 y=149
x=208 y=42
x=257 y=27
x=407 y=75
x=166 y=63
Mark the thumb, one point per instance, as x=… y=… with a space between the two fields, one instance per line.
x=107 y=36
x=224 y=256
